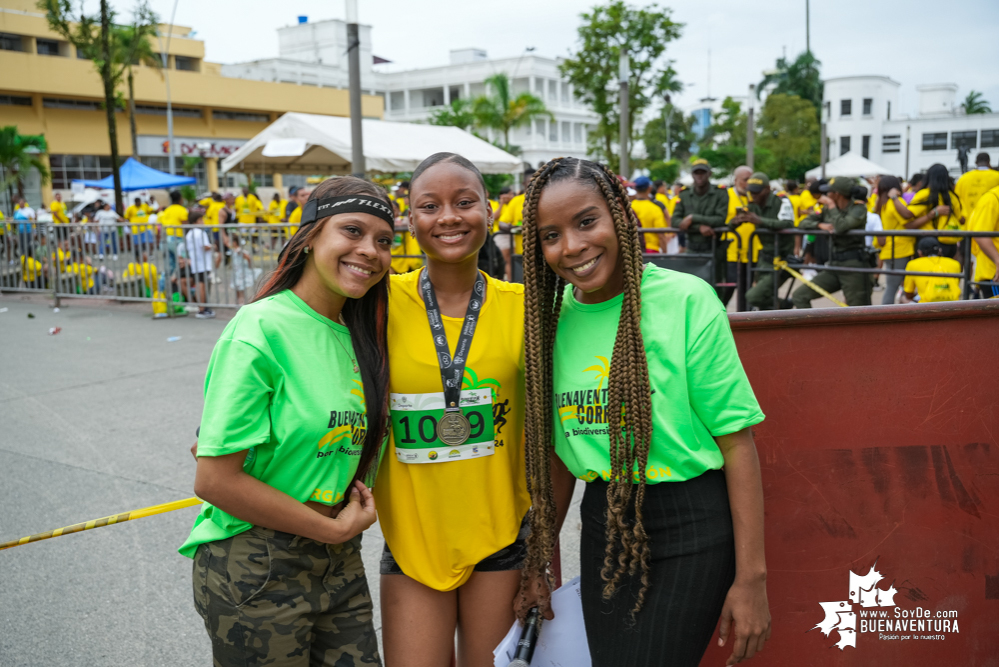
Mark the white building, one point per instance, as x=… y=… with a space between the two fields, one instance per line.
x=864 y=117
x=314 y=54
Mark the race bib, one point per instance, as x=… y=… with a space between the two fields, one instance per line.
x=414 y=426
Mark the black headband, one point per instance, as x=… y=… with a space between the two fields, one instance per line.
x=317 y=209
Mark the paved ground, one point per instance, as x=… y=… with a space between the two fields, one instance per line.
x=98 y=420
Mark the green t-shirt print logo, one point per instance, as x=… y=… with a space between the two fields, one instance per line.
x=602 y=371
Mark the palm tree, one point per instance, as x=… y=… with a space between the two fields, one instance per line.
x=974 y=103
x=457 y=114
x=135 y=49
x=801 y=78
x=19 y=155
x=500 y=112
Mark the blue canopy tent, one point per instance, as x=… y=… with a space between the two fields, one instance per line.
x=137 y=176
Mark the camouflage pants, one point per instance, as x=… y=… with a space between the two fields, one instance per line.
x=272 y=598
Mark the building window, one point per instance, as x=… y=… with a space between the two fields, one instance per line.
x=81 y=105
x=67 y=168
x=934 y=141
x=967 y=139
x=15 y=101
x=566 y=132
x=185 y=64
x=178 y=112
x=539 y=129
x=865 y=146
x=47 y=47
x=889 y=110
x=868 y=106
x=553 y=91
x=844 y=145
x=397 y=101
x=10 y=42
x=845 y=107
x=891 y=143
x=539 y=87
x=577 y=135
x=990 y=138
x=553 y=131
x=239 y=115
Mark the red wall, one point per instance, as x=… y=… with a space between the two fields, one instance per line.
x=881 y=443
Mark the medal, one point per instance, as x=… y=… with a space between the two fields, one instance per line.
x=453 y=428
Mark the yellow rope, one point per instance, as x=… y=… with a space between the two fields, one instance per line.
x=105 y=521
x=780 y=264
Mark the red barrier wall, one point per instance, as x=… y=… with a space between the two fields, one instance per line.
x=881 y=445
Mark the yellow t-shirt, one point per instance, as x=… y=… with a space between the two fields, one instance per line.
x=735 y=251
x=872 y=201
x=295 y=219
x=171 y=218
x=148 y=272
x=246 y=209
x=212 y=209
x=441 y=519
x=31 y=269
x=513 y=214
x=795 y=202
x=138 y=213
x=930 y=288
x=985 y=219
x=805 y=201
x=85 y=273
x=405 y=244
x=920 y=205
x=58 y=210
x=274 y=211
x=891 y=219
x=63 y=256
x=649 y=215
x=972 y=185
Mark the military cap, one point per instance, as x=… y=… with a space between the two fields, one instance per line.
x=842 y=185
x=758 y=182
x=700 y=164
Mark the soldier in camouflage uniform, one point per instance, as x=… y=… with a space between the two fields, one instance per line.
x=840 y=214
x=700 y=209
x=273 y=598
x=767 y=211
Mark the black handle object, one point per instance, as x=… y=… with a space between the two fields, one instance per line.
x=528 y=640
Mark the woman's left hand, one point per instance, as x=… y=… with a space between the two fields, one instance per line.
x=747 y=610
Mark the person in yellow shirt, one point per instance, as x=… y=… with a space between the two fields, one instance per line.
x=144 y=272
x=139 y=212
x=896 y=251
x=247 y=207
x=651 y=214
x=512 y=216
x=404 y=243
x=59 y=216
x=503 y=241
x=212 y=206
x=170 y=220
x=32 y=271
x=738 y=251
x=82 y=272
x=986 y=219
x=872 y=198
x=274 y=209
x=937 y=206
x=295 y=217
x=973 y=184
x=932 y=289
x=453 y=515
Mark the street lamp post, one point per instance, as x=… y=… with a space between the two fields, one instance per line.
x=166 y=76
x=667 y=119
x=624 y=71
x=354 y=65
x=750 y=128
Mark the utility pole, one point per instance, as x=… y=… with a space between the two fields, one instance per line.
x=166 y=75
x=908 y=132
x=824 y=148
x=667 y=119
x=750 y=127
x=109 y=101
x=623 y=72
x=808 y=27
x=354 y=65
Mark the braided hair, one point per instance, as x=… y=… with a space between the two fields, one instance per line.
x=627 y=548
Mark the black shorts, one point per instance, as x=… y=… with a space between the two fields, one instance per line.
x=508 y=558
x=197 y=277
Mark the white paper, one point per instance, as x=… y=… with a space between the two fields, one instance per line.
x=562 y=642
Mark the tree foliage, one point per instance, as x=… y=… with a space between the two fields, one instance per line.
x=681 y=136
x=974 y=104
x=97 y=38
x=457 y=114
x=789 y=130
x=136 y=48
x=499 y=110
x=800 y=77
x=666 y=171
x=19 y=155
x=593 y=68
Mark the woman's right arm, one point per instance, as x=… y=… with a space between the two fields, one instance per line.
x=221 y=481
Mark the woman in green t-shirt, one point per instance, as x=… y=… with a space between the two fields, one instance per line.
x=295 y=418
x=672 y=517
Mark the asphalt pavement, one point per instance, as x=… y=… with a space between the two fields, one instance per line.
x=95 y=420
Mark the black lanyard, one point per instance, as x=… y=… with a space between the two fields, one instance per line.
x=452 y=368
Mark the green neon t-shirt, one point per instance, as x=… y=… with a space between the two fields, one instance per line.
x=281 y=384
x=699 y=387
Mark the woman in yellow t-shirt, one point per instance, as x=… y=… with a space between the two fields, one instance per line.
x=896 y=251
x=452 y=499
x=937 y=206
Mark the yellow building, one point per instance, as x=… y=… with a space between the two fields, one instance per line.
x=47 y=88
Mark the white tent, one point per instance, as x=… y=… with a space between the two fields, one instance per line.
x=849 y=164
x=301 y=143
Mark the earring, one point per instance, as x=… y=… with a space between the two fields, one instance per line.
x=306 y=250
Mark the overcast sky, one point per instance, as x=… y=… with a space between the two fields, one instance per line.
x=914 y=42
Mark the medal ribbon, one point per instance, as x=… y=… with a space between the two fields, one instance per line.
x=452 y=368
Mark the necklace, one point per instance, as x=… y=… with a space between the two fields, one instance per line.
x=337 y=339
